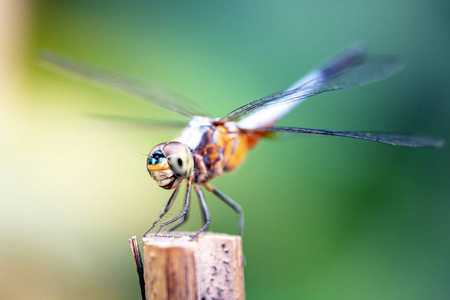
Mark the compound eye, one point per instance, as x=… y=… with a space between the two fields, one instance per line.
x=157 y=148
x=179 y=158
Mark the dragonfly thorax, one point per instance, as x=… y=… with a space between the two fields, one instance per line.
x=193 y=134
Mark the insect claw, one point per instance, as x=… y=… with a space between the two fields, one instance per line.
x=145 y=234
x=153 y=226
x=159 y=230
x=193 y=237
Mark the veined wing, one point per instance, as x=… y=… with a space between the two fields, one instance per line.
x=268 y=115
x=351 y=56
x=349 y=70
x=395 y=139
x=144 y=91
x=140 y=121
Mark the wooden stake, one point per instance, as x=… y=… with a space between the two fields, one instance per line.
x=209 y=267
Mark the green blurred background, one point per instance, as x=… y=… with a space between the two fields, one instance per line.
x=326 y=218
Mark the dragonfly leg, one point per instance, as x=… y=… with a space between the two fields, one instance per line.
x=166 y=209
x=180 y=223
x=185 y=210
x=184 y=214
x=205 y=211
x=236 y=207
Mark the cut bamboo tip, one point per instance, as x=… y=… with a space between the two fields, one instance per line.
x=209 y=267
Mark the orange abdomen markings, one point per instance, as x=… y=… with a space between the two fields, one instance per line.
x=223 y=150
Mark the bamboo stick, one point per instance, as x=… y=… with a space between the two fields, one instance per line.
x=138 y=262
x=209 y=267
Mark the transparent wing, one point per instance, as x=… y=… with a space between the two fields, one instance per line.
x=139 y=121
x=395 y=139
x=349 y=70
x=351 y=56
x=147 y=92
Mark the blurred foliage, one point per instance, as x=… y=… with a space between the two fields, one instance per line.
x=326 y=218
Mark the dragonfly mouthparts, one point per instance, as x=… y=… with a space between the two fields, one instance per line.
x=160 y=171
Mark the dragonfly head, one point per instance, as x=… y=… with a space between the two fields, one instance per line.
x=170 y=163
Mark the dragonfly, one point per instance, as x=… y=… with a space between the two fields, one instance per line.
x=209 y=147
